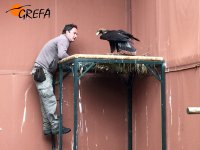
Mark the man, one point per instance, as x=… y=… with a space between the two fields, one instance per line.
x=43 y=70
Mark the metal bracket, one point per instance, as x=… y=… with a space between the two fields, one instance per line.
x=193 y=110
x=153 y=70
x=85 y=68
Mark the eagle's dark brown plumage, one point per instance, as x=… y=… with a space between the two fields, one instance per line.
x=118 y=39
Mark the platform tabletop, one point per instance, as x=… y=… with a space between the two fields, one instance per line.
x=111 y=57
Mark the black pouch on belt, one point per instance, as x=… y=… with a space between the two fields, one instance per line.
x=39 y=75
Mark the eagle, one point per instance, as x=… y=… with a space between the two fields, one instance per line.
x=119 y=40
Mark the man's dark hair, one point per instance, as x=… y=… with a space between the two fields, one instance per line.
x=68 y=27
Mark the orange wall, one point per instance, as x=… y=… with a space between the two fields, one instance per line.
x=166 y=28
x=21 y=41
x=170 y=29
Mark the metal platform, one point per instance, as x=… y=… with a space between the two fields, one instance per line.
x=80 y=64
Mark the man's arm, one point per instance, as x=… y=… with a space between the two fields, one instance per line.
x=62 y=49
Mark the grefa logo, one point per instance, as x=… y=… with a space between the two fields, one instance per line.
x=25 y=12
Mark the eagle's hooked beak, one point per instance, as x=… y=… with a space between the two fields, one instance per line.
x=97 y=33
x=101 y=31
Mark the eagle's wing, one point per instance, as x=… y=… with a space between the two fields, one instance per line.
x=126 y=46
x=114 y=36
x=128 y=35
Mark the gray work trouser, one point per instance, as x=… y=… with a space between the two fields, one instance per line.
x=47 y=101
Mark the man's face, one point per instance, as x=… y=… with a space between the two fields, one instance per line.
x=72 y=34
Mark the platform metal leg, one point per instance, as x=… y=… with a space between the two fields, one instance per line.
x=76 y=79
x=130 y=87
x=53 y=146
x=163 y=107
x=60 y=106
